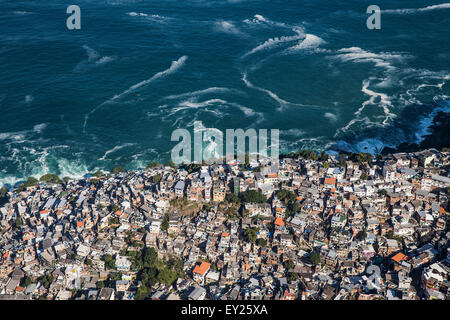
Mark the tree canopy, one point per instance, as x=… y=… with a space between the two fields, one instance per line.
x=50 y=178
x=251 y=234
x=117 y=169
x=253 y=196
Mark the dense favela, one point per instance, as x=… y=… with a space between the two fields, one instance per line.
x=306 y=227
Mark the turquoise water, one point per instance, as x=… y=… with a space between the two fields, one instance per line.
x=73 y=101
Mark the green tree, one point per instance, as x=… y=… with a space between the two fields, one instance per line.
x=153 y=164
x=247 y=160
x=362 y=157
x=47 y=280
x=18 y=222
x=27 y=281
x=98 y=174
x=3 y=194
x=149 y=257
x=362 y=235
x=309 y=154
x=253 y=196
x=156 y=178
x=117 y=169
x=231 y=198
x=165 y=222
x=171 y=164
x=323 y=156
x=292 y=276
x=167 y=276
x=50 y=178
x=315 y=258
x=251 y=234
x=110 y=262
x=289 y=264
x=261 y=242
x=142 y=293
x=31 y=181
x=113 y=221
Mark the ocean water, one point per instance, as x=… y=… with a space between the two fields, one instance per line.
x=74 y=101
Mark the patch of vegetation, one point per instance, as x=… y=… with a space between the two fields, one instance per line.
x=47 y=280
x=261 y=242
x=290 y=201
x=315 y=258
x=251 y=234
x=31 y=182
x=171 y=164
x=51 y=178
x=151 y=270
x=253 y=196
x=153 y=164
x=231 y=198
x=3 y=195
x=191 y=167
x=165 y=222
x=110 y=262
x=117 y=169
x=98 y=174
x=156 y=178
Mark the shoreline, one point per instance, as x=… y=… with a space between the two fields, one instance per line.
x=438 y=137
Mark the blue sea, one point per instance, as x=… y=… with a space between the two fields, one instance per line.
x=111 y=93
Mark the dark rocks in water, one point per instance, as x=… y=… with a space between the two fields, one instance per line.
x=439 y=137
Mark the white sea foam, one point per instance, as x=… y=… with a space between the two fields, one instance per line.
x=195 y=105
x=384 y=102
x=199 y=93
x=358 y=55
x=175 y=65
x=283 y=103
x=116 y=148
x=22 y=13
x=29 y=98
x=91 y=53
x=369 y=145
x=424 y=127
x=172 y=69
x=228 y=27
x=330 y=116
x=274 y=42
x=417 y=10
x=94 y=59
x=104 y=60
x=294 y=132
x=259 y=19
x=137 y=14
x=39 y=127
x=310 y=41
x=150 y=17
x=18 y=136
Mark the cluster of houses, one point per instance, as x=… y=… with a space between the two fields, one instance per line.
x=360 y=230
